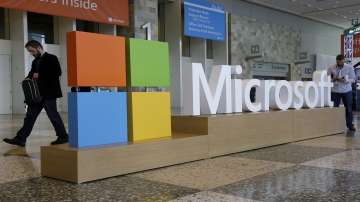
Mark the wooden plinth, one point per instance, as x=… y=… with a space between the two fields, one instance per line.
x=240 y=132
x=83 y=165
x=194 y=138
x=318 y=122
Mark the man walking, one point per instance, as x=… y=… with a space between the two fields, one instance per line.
x=343 y=76
x=45 y=69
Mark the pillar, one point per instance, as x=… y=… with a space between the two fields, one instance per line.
x=146 y=11
x=65 y=25
x=19 y=60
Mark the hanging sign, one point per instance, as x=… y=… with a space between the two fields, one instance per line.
x=103 y=11
x=205 y=20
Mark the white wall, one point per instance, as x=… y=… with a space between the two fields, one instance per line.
x=5 y=77
x=323 y=62
x=5 y=47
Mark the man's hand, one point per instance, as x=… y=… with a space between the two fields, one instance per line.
x=35 y=75
x=342 y=80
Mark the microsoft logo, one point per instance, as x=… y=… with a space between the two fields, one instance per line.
x=103 y=118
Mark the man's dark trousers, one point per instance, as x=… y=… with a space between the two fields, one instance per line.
x=347 y=101
x=33 y=112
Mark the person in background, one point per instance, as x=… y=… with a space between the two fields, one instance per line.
x=343 y=76
x=46 y=70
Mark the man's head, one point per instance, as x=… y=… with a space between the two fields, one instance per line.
x=340 y=60
x=35 y=48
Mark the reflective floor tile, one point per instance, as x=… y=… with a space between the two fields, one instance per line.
x=32 y=148
x=337 y=141
x=4 y=148
x=349 y=160
x=299 y=184
x=13 y=168
x=208 y=196
x=114 y=189
x=289 y=153
x=16 y=151
x=212 y=173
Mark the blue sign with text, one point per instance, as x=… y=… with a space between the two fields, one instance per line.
x=204 y=20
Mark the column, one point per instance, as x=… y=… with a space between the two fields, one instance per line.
x=145 y=11
x=173 y=37
x=19 y=36
x=65 y=25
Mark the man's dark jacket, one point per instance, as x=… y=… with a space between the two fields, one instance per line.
x=49 y=70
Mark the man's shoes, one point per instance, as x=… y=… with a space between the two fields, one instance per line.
x=352 y=129
x=14 y=141
x=60 y=140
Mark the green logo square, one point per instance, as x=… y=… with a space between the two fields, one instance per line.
x=147 y=63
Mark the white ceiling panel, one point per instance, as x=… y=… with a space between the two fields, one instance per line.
x=336 y=12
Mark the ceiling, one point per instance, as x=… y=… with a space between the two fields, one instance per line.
x=336 y=12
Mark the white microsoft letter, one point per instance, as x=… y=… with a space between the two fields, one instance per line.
x=211 y=94
x=325 y=85
x=283 y=99
x=311 y=94
x=298 y=98
x=247 y=85
x=265 y=93
x=237 y=91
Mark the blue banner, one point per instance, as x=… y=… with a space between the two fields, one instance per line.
x=203 y=19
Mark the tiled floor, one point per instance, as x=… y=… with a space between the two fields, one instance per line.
x=323 y=169
x=209 y=174
x=290 y=153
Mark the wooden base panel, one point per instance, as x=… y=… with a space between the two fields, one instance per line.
x=194 y=138
x=84 y=165
x=248 y=131
x=318 y=122
x=241 y=132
